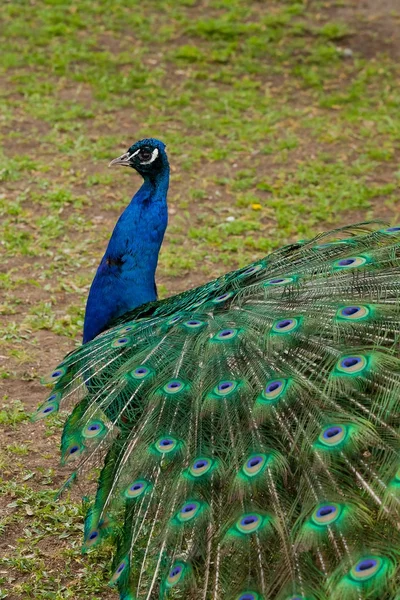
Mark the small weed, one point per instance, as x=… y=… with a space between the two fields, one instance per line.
x=12 y=412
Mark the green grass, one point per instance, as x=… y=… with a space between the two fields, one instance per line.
x=62 y=522
x=274 y=133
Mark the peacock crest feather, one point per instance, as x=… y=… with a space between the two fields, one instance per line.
x=249 y=429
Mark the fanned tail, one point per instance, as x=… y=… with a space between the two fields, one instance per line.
x=250 y=429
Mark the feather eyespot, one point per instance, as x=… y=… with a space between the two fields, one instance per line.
x=326 y=514
x=248 y=596
x=94 y=429
x=126 y=329
x=54 y=396
x=119 y=571
x=72 y=452
x=173 y=320
x=224 y=388
x=255 y=464
x=222 y=297
x=177 y=570
x=274 y=386
x=141 y=372
x=332 y=432
x=91 y=539
x=120 y=342
x=174 y=386
x=194 y=324
x=366 y=568
x=201 y=466
x=175 y=574
x=188 y=511
x=251 y=270
x=353 y=312
x=166 y=445
x=332 y=436
x=350 y=262
x=57 y=373
x=273 y=391
x=394 y=229
x=137 y=489
x=352 y=364
x=249 y=523
x=349 y=311
x=279 y=281
x=54 y=376
x=286 y=325
x=93 y=535
x=226 y=334
x=48 y=408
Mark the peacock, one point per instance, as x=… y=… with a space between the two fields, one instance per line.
x=248 y=429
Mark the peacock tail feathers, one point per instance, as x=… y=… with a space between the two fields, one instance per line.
x=249 y=429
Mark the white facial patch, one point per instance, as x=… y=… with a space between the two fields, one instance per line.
x=154 y=155
x=133 y=154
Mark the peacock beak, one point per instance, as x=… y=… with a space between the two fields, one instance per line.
x=122 y=160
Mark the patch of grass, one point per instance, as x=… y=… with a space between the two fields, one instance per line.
x=57 y=523
x=12 y=413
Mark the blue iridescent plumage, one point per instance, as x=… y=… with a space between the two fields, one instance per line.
x=125 y=277
x=250 y=427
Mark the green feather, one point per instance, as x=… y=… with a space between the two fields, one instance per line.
x=248 y=524
x=179 y=576
x=249 y=429
x=368 y=576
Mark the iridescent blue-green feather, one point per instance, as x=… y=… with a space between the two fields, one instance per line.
x=250 y=429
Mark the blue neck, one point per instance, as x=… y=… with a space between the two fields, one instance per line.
x=125 y=277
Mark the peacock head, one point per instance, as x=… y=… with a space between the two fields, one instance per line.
x=147 y=157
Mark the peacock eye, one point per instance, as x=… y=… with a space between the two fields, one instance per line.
x=144 y=154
